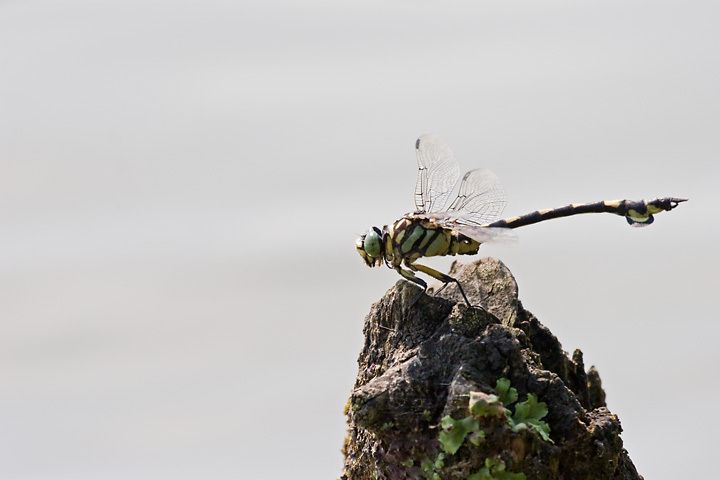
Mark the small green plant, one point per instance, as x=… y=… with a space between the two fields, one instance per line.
x=528 y=414
x=454 y=432
x=430 y=467
x=494 y=469
x=486 y=405
x=505 y=392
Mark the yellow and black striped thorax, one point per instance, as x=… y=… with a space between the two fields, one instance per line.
x=415 y=236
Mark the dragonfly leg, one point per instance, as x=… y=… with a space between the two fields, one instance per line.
x=408 y=275
x=440 y=289
x=440 y=276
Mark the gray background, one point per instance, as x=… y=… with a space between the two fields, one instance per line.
x=182 y=183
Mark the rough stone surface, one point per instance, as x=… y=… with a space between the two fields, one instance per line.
x=423 y=356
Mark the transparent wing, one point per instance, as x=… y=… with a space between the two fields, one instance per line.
x=488 y=234
x=438 y=172
x=480 y=200
x=462 y=224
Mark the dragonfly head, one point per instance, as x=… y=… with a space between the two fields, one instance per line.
x=370 y=246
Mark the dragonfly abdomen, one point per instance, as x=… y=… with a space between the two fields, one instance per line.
x=637 y=213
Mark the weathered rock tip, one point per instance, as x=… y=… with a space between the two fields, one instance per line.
x=423 y=356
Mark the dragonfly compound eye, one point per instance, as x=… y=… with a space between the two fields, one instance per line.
x=371 y=244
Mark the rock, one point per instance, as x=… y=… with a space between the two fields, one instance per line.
x=409 y=413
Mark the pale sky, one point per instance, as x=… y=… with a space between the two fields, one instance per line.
x=181 y=185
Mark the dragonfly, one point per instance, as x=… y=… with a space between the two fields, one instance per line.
x=471 y=219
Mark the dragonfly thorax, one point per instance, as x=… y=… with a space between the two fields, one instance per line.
x=416 y=235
